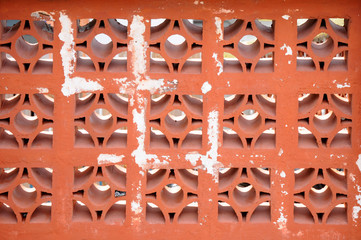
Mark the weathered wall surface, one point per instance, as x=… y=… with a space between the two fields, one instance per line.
x=109 y=129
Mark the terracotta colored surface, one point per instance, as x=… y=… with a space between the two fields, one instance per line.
x=193 y=144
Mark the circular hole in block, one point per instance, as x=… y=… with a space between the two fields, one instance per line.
x=24 y=195
x=101 y=120
x=320 y=195
x=102 y=45
x=322 y=44
x=172 y=195
x=176 y=46
x=325 y=120
x=249 y=46
x=176 y=121
x=26 y=121
x=27 y=46
x=99 y=193
x=244 y=194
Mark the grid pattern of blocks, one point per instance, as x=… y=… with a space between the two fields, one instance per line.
x=215 y=124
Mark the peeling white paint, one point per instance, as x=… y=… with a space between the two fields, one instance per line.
x=219 y=30
x=287 y=48
x=286 y=17
x=153 y=85
x=282 y=220
x=280 y=152
x=206 y=87
x=196 y=2
x=283 y=174
x=358 y=162
x=289 y=62
x=136 y=207
x=209 y=161
x=223 y=10
x=67 y=52
x=219 y=64
x=109 y=158
x=357 y=208
x=42 y=90
x=78 y=85
x=345 y=85
x=138 y=46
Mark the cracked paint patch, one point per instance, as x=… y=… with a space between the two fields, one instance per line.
x=109 y=158
x=287 y=48
x=219 y=64
x=206 y=87
x=219 y=30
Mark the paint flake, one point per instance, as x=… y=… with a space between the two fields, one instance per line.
x=43 y=90
x=287 y=48
x=109 y=158
x=219 y=64
x=286 y=17
x=219 y=30
x=206 y=87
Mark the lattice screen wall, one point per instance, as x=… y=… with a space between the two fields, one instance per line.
x=180 y=119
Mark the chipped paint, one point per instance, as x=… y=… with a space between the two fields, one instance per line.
x=42 y=90
x=282 y=174
x=358 y=162
x=287 y=48
x=78 y=85
x=289 y=62
x=282 y=220
x=219 y=64
x=196 y=2
x=357 y=208
x=345 y=85
x=223 y=10
x=280 y=152
x=72 y=85
x=104 y=158
x=153 y=85
x=138 y=47
x=219 y=30
x=209 y=161
x=206 y=87
x=286 y=17
x=136 y=207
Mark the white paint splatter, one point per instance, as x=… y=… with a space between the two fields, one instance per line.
x=209 y=161
x=206 y=87
x=287 y=48
x=280 y=152
x=67 y=52
x=222 y=10
x=282 y=220
x=289 y=62
x=345 y=85
x=286 y=17
x=219 y=30
x=136 y=207
x=358 y=162
x=109 y=158
x=78 y=85
x=138 y=46
x=283 y=174
x=43 y=90
x=219 y=64
x=153 y=85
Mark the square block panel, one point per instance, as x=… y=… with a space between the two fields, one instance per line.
x=25 y=195
x=172 y=196
x=99 y=194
